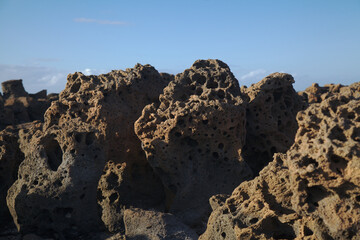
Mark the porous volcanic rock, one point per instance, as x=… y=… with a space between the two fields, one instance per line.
x=111 y=103
x=311 y=192
x=10 y=159
x=270 y=118
x=316 y=93
x=56 y=187
x=17 y=106
x=142 y=225
x=193 y=139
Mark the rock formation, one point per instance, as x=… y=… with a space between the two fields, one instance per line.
x=316 y=93
x=88 y=130
x=138 y=154
x=193 y=139
x=17 y=106
x=57 y=182
x=312 y=191
x=270 y=118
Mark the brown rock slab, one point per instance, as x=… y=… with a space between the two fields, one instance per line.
x=193 y=139
x=143 y=225
x=18 y=107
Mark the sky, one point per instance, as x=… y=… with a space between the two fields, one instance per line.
x=42 y=41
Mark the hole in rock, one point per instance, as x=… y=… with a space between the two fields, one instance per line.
x=90 y=137
x=337 y=133
x=221 y=94
x=113 y=197
x=211 y=84
x=338 y=164
x=75 y=87
x=253 y=220
x=54 y=154
x=307 y=231
x=316 y=194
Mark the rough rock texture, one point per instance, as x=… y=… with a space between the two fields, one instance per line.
x=311 y=192
x=316 y=94
x=10 y=159
x=57 y=182
x=143 y=225
x=193 y=139
x=17 y=106
x=90 y=125
x=270 y=118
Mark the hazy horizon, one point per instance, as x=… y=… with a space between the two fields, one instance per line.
x=315 y=41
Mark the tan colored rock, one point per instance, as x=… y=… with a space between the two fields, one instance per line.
x=271 y=118
x=193 y=139
x=316 y=93
x=56 y=189
x=324 y=164
x=311 y=192
x=143 y=225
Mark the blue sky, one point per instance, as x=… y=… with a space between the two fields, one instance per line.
x=41 y=41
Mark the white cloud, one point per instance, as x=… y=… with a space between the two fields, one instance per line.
x=253 y=74
x=92 y=71
x=52 y=79
x=88 y=71
x=35 y=78
x=105 y=22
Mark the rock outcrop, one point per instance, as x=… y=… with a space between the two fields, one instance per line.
x=86 y=151
x=143 y=225
x=17 y=106
x=56 y=187
x=193 y=139
x=316 y=93
x=139 y=154
x=312 y=191
x=270 y=118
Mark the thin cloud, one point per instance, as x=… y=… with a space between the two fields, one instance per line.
x=104 y=22
x=253 y=74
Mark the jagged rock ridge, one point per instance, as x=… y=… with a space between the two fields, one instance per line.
x=137 y=154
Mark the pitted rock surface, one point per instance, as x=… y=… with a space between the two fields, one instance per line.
x=316 y=93
x=111 y=103
x=56 y=189
x=142 y=225
x=193 y=139
x=271 y=118
x=311 y=192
